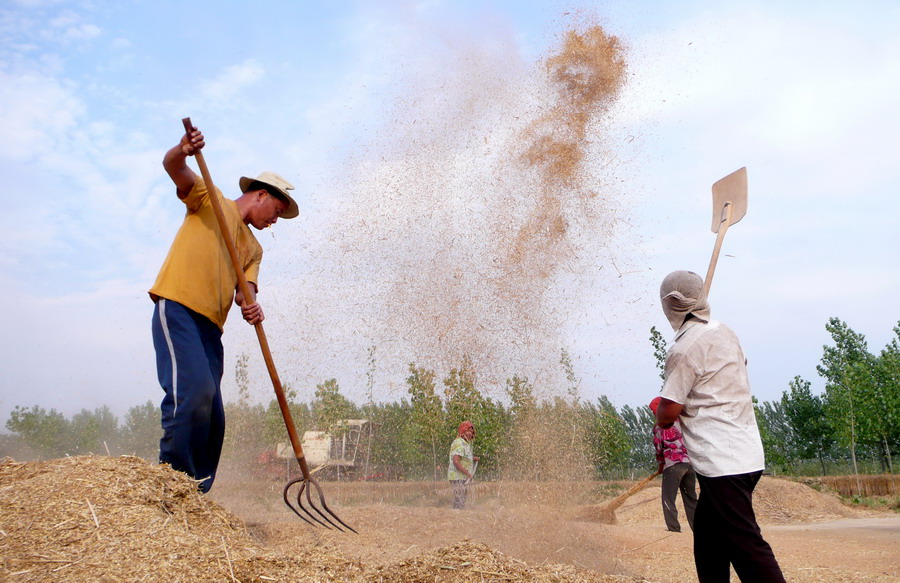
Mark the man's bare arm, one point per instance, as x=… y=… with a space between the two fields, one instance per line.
x=175 y=162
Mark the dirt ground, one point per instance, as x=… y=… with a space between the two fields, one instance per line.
x=815 y=536
x=123 y=519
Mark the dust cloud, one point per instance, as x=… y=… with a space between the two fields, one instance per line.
x=464 y=221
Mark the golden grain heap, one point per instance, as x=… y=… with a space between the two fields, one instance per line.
x=105 y=519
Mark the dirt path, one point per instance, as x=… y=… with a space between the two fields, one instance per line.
x=814 y=536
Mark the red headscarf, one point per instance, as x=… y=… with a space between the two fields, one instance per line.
x=654 y=404
x=463 y=427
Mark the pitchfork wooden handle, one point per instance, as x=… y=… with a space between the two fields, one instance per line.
x=249 y=296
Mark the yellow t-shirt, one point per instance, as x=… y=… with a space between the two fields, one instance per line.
x=197 y=272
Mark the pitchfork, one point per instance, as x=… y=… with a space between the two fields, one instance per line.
x=309 y=511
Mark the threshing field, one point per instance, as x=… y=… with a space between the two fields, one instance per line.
x=96 y=518
x=816 y=537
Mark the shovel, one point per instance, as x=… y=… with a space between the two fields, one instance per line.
x=606 y=514
x=729 y=207
x=306 y=481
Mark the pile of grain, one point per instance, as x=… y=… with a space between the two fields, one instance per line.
x=468 y=561
x=775 y=500
x=93 y=518
x=782 y=501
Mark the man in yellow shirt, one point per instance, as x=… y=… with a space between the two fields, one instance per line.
x=193 y=293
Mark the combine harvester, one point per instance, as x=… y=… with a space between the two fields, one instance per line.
x=336 y=451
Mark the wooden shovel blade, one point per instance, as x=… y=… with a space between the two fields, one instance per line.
x=731 y=189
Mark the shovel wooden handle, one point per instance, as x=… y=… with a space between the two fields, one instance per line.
x=618 y=500
x=249 y=296
x=720 y=235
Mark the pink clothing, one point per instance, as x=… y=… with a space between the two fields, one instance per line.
x=669 y=445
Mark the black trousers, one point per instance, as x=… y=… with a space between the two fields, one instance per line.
x=726 y=533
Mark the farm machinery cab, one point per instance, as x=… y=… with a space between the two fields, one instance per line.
x=335 y=452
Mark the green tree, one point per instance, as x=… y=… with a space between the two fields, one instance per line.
x=301 y=413
x=578 y=419
x=572 y=380
x=812 y=435
x=331 y=407
x=492 y=421
x=246 y=438
x=141 y=431
x=884 y=401
x=93 y=431
x=521 y=396
x=775 y=432
x=245 y=430
x=369 y=410
x=46 y=433
x=610 y=444
x=428 y=420
x=638 y=425
x=394 y=449
x=659 y=351
x=526 y=441
x=460 y=394
x=847 y=370
x=242 y=377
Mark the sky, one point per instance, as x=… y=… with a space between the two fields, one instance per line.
x=398 y=123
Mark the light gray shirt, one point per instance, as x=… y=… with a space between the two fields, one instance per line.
x=706 y=373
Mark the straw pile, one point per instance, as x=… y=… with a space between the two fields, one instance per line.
x=781 y=501
x=91 y=518
x=468 y=561
x=104 y=519
x=775 y=501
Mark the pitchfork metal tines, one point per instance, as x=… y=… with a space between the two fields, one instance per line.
x=305 y=511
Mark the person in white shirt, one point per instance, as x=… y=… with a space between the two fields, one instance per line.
x=707 y=389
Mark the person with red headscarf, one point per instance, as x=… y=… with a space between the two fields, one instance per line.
x=461 y=468
x=676 y=470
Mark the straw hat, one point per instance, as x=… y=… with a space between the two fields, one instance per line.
x=281 y=187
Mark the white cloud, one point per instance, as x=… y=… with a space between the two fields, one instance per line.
x=233 y=81
x=38 y=110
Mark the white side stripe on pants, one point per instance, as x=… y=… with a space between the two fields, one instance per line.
x=165 y=327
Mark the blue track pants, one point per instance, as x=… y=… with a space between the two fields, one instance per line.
x=189 y=359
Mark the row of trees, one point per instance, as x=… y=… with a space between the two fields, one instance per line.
x=855 y=420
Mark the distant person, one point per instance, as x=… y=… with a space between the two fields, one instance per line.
x=708 y=390
x=676 y=470
x=192 y=295
x=461 y=468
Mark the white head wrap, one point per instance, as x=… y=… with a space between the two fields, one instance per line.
x=679 y=294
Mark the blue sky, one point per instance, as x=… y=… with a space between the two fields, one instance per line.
x=804 y=94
